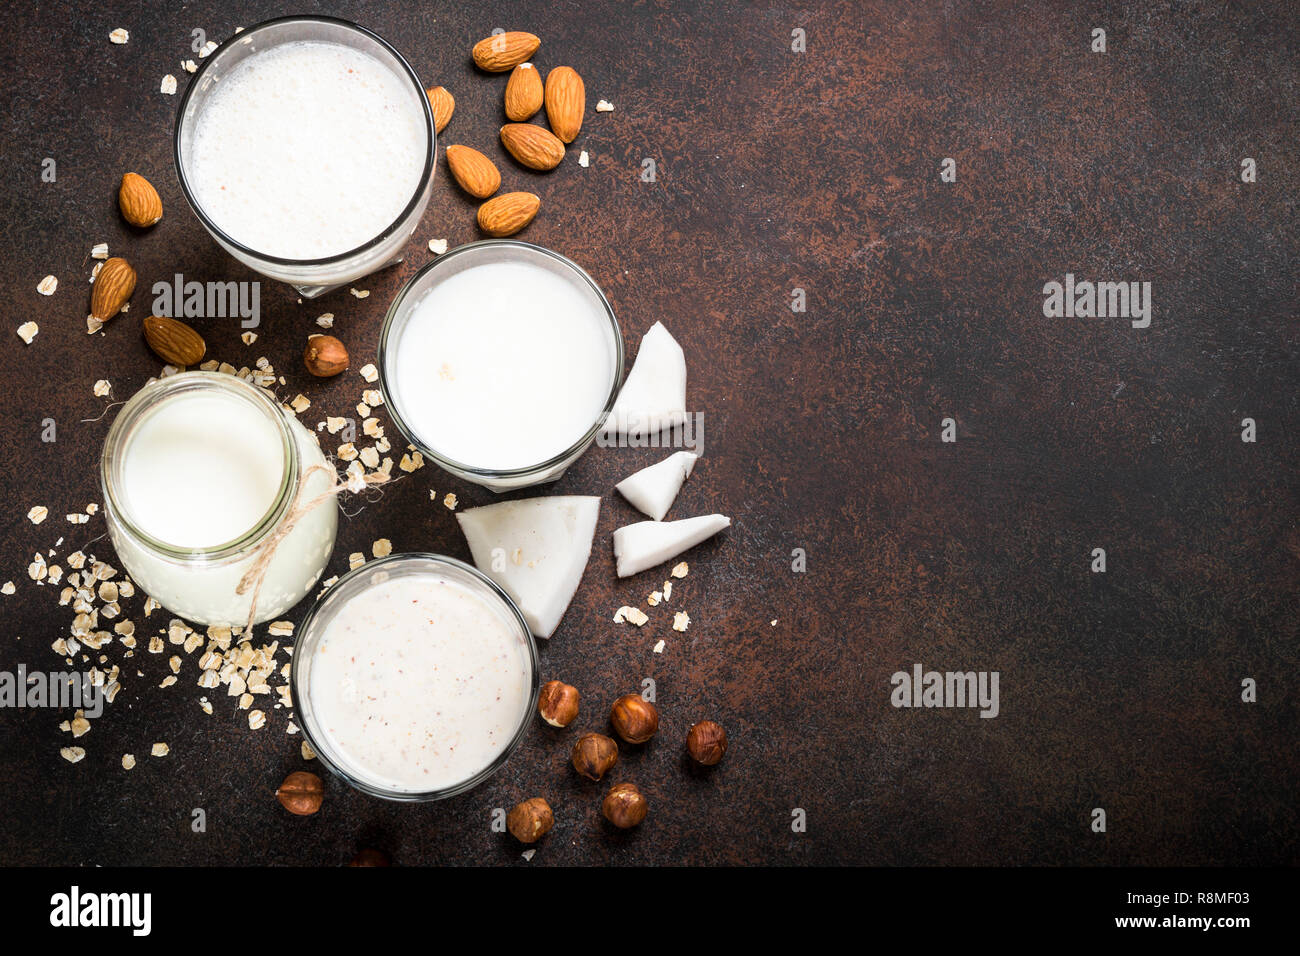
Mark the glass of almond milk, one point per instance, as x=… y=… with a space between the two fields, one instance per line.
x=414 y=677
x=500 y=360
x=198 y=471
x=306 y=146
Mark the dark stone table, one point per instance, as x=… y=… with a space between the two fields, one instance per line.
x=776 y=170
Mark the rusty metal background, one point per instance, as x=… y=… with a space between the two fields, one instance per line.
x=776 y=170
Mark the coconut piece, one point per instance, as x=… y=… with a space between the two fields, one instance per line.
x=536 y=549
x=648 y=543
x=653 y=490
x=654 y=396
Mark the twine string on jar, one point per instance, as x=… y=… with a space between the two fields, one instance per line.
x=300 y=508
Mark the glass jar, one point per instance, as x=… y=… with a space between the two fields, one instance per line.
x=199 y=584
x=310 y=277
x=599 y=362
x=358 y=745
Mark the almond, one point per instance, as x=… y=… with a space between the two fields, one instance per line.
x=325 y=356
x=443 y=105
x=566 y=101
x=535 y=147
x=474 y=172
x=173 y=341
x=113 y=287
x=523 y=93
x=139 y=201
x=504 y=51
x=508 y=213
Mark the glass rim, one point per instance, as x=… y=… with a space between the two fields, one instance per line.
x=450 y=464
x=430 y=158
x=139 y=404
x=321 y=605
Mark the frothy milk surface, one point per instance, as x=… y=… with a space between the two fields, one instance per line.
x=504 y=365
x=307 y=150
x=202 y=470
x=418 y=683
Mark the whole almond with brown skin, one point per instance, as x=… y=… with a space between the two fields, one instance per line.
x=113 y=287
x=523 y=93
x=173 y=341
x=473 y=172
x=535 y=147
x=325 y=356
x=508 y=213
x=443 y=105
x=139 y=201
x=504 y=51
x=302 y=793
x=566 y=101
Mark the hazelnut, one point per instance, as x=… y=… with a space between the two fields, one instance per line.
x=634 y=719
x=593 y=755
x=301 y=793
x=371 y=858
x=325 y=356
x=558 y=703
x=624 y=806
x=531 y=820
x=706 y=742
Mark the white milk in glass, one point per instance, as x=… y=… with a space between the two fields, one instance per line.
x=503 y=365
x=418 y=683
x=200 y=470
x=308 y=150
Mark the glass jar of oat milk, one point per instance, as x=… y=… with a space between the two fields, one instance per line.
x=199 y=470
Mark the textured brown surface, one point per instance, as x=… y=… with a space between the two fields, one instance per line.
x=776 y=170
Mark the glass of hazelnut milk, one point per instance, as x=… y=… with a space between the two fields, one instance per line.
x=306 y=147
x=414 y=677
x=198 y=471
x=500 y=361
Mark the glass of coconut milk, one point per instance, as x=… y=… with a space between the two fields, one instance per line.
x=414 y=677
x=198 y=471
x=306 y=146
x=500 y=360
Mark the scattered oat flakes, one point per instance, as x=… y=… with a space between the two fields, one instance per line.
x=300 y=403
x=359 y=293
x=99 y=251
x=654 y=598
x=47 y=285
x=119 y=36
x=80 y=726
x=248 y=338
x=93 y=325
x=168 y=85
x=680 y=570
x=256 y=720
x=681 y=621
x=630 y=615
x=583 y=159
x=307 y=752
x=528 y=855
x=369 y=372
x=280 y=628
x=27 y=331
x=72 y=754
x=189 y=66
x=372 y=397
x=128 y=761
x=325 y=321
x=207 y=48
x=355 y=560
x=604 y=106
x=449 y=501
x=37 y=514
x=773 y=622
x=8 y=588
x=160 y=750
x=659 y=648
x=437 y=246
x=102 y=388
x=382 y=548
x=411 y=462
